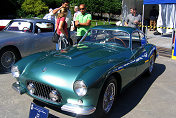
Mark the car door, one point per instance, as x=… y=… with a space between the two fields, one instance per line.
x=128 y=64
x=43 y=33
x=139 y=52
x=26 y=41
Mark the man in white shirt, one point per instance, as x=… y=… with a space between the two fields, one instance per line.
x=65 y=3
x=49 y=16
x=76 y=9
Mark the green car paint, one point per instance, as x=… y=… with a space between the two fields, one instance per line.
x=91 y=63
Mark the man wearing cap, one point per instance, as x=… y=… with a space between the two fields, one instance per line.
x=49 y=16
x=76 y=9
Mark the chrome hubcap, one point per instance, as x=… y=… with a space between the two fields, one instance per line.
x=109 y=97
x=151 y=64
x=8 y=59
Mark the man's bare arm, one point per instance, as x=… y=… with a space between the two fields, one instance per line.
x=88 y=23
x=56 y=10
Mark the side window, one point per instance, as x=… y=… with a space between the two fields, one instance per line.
x=136 y=40
x=44 y=27
x=20 y=26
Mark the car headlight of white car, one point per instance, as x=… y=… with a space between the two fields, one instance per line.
x=80 y=88
x=15 y=71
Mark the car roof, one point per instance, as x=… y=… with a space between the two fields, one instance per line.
x=33 y=20
x=114 y=27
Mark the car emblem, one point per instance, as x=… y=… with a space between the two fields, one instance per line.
x=44 y=69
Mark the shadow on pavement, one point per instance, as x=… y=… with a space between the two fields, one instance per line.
x=135 y=92
x=128 y=99
x=167 y=35
x=1 y=72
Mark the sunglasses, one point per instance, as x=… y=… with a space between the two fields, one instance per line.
x=82 y=9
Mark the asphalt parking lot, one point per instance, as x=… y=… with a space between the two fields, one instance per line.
x=147 y=97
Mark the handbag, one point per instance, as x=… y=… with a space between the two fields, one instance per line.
x=55 y=37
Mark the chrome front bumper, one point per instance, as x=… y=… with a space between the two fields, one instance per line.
x=16 y=86
x=77 y=109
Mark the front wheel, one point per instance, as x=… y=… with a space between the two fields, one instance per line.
x=151 y=64
x=7 y=58
x=107 y=98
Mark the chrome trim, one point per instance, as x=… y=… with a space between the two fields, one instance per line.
x=16 y=86
x=42 y=91
x=78 y=109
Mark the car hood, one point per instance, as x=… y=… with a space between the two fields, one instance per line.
x=77 y=56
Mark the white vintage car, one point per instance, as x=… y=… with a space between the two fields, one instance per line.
x=22 y=37
x=3 y=23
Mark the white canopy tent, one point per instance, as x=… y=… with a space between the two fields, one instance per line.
x=167 y=14
x=166 y=10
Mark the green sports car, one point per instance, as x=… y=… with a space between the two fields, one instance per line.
x=87 y=78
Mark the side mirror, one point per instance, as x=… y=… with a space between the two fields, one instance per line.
x=143 y=41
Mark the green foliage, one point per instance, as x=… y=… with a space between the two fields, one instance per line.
x=35 y=7
x=52 y=3
x=100 y=6
x=100 y=22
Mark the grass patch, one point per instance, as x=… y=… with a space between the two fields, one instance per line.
x=98 y=22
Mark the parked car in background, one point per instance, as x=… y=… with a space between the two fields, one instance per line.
x=3 y=23
x=87 y=78
x=23 y=37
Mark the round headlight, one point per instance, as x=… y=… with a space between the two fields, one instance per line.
x=31 y=88
x=54 y=95
x=15 y=71
x=80 y=88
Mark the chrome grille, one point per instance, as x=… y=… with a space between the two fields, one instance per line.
x=43 y=90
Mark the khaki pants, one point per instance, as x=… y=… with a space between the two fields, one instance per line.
x=153 y=25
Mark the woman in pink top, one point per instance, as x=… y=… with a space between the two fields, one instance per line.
x=61 y=26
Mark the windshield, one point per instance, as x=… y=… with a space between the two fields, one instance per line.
x=110 y=37
x=19 y=26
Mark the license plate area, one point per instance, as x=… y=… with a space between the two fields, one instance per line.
x=38 y=111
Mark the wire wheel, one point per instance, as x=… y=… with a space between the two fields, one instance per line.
x=152 y=61
x=7 y=58
x=109 y=96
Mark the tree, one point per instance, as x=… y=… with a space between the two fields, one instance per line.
x=100 y=6
x=52 y=3
x=35 y=7
x=8 y=8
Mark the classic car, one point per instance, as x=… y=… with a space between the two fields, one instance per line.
x=22 y=37
x=3 y=23
x=87 y=78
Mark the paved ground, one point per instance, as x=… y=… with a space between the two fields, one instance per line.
x=163 y=43
x=164 y=40
x=147 y=97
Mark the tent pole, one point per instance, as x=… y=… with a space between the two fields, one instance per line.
x=142 y=18
x=173 y=32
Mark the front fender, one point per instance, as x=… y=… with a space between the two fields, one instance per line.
x=94 y=76
x=23 y=63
